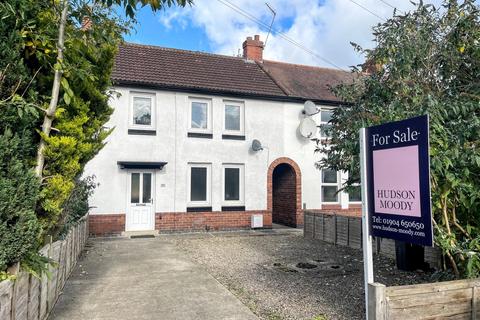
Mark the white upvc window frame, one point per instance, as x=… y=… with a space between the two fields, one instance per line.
x=208 y=201
x=241 y=168
x=241 y=105
x=145 y=95
x=208 y=102
x=329 y=184
x=323 y=109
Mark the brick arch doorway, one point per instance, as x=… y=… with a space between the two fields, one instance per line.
x=285 y=192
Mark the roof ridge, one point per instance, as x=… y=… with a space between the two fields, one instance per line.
x=132 y=44
x=306 y=66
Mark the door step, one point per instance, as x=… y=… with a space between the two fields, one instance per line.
x=140 y=234
x=143 y=236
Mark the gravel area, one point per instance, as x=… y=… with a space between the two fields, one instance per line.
x=280 y=275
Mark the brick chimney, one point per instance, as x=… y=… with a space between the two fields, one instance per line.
x=253 y=48
x=86 y=23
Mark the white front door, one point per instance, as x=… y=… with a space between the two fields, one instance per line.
x=140 y=211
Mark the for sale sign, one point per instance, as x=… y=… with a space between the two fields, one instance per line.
x=398 y=177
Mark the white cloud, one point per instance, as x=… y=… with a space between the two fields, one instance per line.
x=167 y=19
x=325 y=27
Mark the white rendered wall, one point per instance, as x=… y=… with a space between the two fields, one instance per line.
x=275 y=124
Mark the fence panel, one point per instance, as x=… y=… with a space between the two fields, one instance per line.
x=29 y=298
x=319 y=227
x=20 y=297
x=355 y=233
x=342 y=230
x=347 y=231
x=33 y=298
x=443 y=300
x=6 y=293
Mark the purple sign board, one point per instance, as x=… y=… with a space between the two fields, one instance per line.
x=398 y=178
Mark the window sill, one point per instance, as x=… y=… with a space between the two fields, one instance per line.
x=233 y=208
x=232 y=137
x=199 y=209
x=200 y=135
x=142 y=132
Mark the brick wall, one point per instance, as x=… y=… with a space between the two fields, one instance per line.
x=208 y=221
x=284 y=195
x=298 y=188
x=106 y=224
x=114 y=224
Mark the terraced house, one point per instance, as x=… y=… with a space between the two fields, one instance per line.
x=181 y=156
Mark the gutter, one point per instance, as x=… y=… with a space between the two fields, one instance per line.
x=216 y=92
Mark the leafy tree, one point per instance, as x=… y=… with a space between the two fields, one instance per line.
x=54 y=79
x=425 y=61
x=66 y=7
x=78 y=105
x=20 y=230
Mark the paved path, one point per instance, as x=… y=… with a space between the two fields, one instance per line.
x=144 y=279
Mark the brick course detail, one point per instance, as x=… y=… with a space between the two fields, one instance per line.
x=284 y=195
x=209 y=221
x=114 y=224
x=284 y=198
x=106 y=224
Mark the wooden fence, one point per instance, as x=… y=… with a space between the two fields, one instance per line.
x=30 y=298
x=347 y=231
x=459 y=300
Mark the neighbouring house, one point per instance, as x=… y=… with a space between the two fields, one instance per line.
x=181 y=157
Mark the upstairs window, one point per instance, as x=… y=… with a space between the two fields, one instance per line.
x=142 y=111
x=325 y=117
x=329 y=186
x=233 y=117
x=200 y=115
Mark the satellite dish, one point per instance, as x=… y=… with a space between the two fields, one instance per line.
x=256 y=145
x=308 y=128
x=309 y=108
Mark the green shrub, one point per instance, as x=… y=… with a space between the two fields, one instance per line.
x=19 y=226
x=77 y=204
x=426 y=61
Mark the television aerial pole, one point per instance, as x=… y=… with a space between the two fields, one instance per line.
x=271 y=24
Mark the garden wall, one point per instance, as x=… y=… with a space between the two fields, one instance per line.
x=31 y=298
x=459 y=300
x=347 y=231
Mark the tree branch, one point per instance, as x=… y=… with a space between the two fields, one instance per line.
x=50 y=113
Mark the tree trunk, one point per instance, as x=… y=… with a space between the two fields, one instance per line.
x=52 y=108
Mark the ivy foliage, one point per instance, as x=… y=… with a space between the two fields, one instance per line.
x=426 y=62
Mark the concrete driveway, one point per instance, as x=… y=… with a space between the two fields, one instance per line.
x=143 y=279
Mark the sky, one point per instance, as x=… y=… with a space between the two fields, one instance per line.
x=321 y=31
